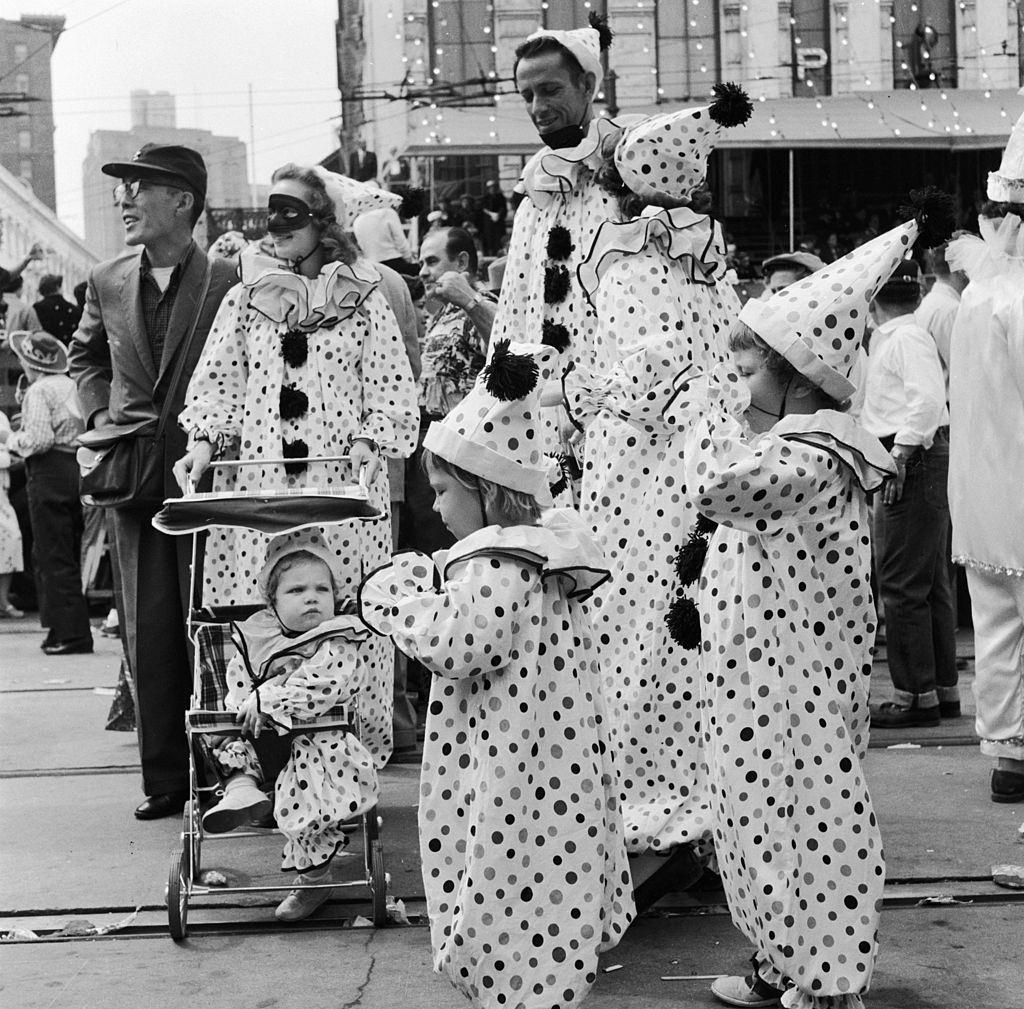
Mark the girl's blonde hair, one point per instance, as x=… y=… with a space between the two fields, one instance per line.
x=518 y=507
x=339 y=247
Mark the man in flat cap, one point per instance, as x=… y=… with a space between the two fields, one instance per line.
x=154 y=302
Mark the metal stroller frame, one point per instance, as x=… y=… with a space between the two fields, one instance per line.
x=209 y=634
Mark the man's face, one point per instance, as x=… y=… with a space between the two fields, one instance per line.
x=783 y=277
x=434 y=260
x=553 y=99
x=153 y=213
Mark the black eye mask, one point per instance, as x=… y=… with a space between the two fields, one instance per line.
x=287 y=214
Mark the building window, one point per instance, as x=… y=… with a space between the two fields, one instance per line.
x=20 y=52
x=565 y=15
x=26 y=169
x=924 y=44
x=21 y=83
x=811 y=55
x=460 y=34
x=24 y=140
x=687 y=50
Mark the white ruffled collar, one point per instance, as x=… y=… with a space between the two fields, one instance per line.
x=560 y=547
x=282 y=295
x=998 y=252
x=550 y=173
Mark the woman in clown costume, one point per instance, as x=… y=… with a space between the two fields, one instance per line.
x=656 y=281
x=524 y=866
x=305 y=358
x=785 y=610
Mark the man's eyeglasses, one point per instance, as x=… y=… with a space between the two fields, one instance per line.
x=131 y=188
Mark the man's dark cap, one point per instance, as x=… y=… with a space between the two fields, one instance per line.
x=164 y=160
x=905 y=279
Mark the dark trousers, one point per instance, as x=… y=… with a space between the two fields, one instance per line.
x=56 y=514
x=911 y=549
x=154 y=571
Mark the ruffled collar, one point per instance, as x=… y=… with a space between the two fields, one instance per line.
x=560 y=547
x=842 y=437
x=284 y=296
x=263 y=640
x=998 y=252
x=683 y=235
x=552 y=173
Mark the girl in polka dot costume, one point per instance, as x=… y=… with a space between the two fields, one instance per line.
x=656 y=281
x=305 y=358
x=297 y=660
x=524 y=866
x=787 y=619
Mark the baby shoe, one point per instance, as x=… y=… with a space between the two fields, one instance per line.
x=242 y=805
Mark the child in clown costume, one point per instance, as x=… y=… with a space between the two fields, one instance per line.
x=524 y=866
x=656 y=280
x=297 y=659
x=787 y=618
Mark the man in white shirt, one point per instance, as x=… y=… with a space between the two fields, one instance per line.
x=905 y=407
x=381 y=238
x=938 y=309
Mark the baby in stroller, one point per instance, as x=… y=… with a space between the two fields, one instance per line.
x=296 y=659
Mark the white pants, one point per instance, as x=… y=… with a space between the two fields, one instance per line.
x=997 y=603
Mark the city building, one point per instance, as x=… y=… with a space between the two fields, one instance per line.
x=855 y=100
x=26 y=101
x=153 y=121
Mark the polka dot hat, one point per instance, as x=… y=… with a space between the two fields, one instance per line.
x=1007 y=185
x=817 y=324
x=495 y=432
x=352 y=198
x=666 y=156
x=586 y=44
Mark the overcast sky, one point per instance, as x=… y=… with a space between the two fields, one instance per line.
x=206 y=52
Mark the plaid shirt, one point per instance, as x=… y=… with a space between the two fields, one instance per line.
x=157 y=305
x=50 y=418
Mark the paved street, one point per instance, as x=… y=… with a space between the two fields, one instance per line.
x=70 y=850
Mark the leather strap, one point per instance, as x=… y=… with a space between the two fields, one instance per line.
x=186 y=345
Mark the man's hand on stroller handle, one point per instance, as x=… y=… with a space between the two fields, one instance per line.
x=192 y=465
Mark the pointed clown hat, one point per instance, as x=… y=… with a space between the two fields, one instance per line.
x=1007 y=185
x=817 y=324
x=586 y=45
x=667 y=155
x=352 y=198
x=495 y=432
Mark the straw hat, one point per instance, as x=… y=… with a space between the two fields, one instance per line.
x=39 y=351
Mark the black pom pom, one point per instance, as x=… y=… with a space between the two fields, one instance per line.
x=704 y=526
x=294 y=348
x=555 y=335
x=559 y=485
x=510 y=376
x=683 y=619
x=294 y=403
x=935 y=213
x=690 y=559
x=600 y=24
x=297 y=449
x=731 y=106
x=414 y=201
x=560 y=244
x=556 y=284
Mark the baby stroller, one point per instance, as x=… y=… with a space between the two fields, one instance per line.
x=210 y=629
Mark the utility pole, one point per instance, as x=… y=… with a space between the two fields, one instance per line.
x=610 y=77
x=252 y=152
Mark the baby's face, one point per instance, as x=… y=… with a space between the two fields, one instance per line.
x=305 y=596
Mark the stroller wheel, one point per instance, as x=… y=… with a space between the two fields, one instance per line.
x=191 y=837
x=177 y=897
x=378 y=885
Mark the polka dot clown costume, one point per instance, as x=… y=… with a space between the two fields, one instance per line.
x=524 y=866
x=297 y=367
x=788 y=621
x=662 y=305
x=551 y=232
x=330 y=776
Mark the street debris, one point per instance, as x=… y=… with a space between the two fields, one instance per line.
x=18 y=935
x=396 y=912
x=941 y=899
x=904 y=746
x=691 y=977
x=77 y=928
x=612 y=967
x=211 y=877
x=1010 y=876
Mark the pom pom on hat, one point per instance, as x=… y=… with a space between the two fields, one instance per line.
x=413 y=201
x=935 y=213
x=555 y=335
x=600 y=24
x=731 y=106
x=510 y=376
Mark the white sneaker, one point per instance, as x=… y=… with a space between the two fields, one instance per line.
x=301 y=903
x=745 y=991
x=243 y=804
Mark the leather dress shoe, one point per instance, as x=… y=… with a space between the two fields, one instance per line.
x=1007 y=786
x=69 y=646
x=890 y=715
x=156 y=807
